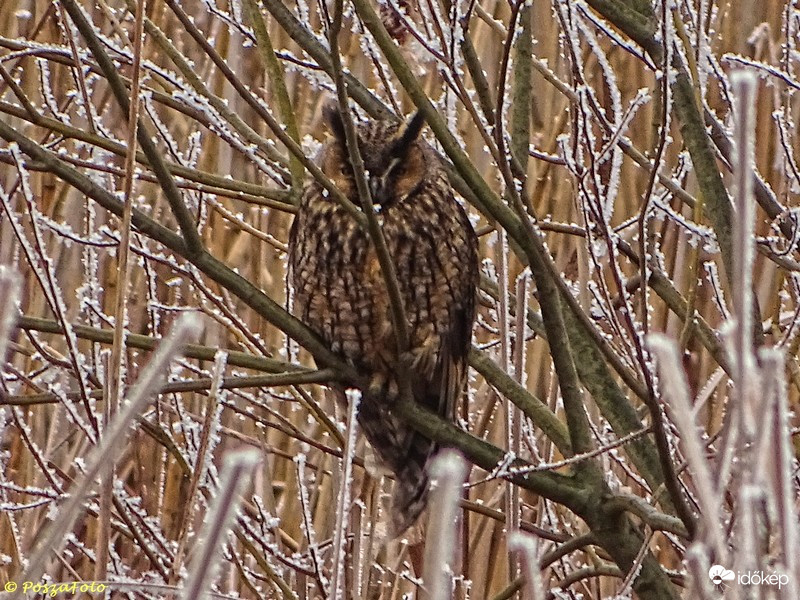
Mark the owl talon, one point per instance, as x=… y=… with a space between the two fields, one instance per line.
x=407 y=360
x=384 y=387
x=376 y=384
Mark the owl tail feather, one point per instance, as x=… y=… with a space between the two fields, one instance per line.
x=411 y=484
x=406 y=453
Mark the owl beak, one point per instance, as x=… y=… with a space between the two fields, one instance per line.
x=377 y=189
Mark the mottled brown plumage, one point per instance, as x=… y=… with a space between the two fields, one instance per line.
x=340 y=292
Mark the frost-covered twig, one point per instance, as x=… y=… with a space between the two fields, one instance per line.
x=9 y=296
x=675 y=391
x=448 y=470
x=344 y=500
x=110 y=446
x=205 y=564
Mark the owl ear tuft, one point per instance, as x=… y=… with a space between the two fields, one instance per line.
x=330 y=113
x=410 y=132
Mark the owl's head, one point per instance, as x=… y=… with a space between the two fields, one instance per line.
x=396 y=159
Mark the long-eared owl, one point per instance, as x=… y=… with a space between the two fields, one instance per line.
x=340 y=291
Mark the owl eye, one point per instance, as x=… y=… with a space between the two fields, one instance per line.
x=345 y=168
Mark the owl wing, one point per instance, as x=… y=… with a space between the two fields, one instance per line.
x=456 y=336
x=440 y=381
